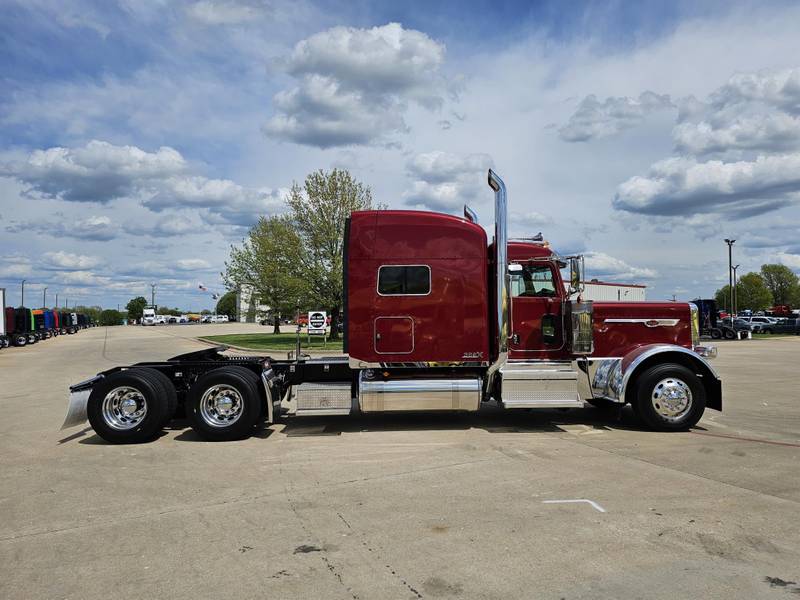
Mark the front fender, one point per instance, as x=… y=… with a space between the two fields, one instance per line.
x=611 y=378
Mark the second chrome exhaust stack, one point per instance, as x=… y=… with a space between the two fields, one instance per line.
x=501 y=275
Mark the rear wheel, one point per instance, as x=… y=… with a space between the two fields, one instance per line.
x=730 y=334
x=20 y=340
x=168 y=389
x=669 y=397
x=224 y=404
x=128 y=407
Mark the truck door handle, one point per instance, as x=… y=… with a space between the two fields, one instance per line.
x=377 y=336
x=515 y=338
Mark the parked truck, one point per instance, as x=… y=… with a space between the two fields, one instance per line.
x=437 y=319
x=5 y=334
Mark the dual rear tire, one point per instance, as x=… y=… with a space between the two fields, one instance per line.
x=134 y=405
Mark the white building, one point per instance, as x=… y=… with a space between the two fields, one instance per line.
x=249 y=308
x=603 y=291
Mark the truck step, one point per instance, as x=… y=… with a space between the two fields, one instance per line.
x=540 y=385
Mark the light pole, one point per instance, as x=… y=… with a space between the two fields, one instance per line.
x=22 y=294
x=730 y=272
x=44 y=298
x=735 y=295
x=153 y=295
x=56 y=300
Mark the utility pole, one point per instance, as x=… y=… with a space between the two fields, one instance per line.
x=152 y=294
x=22 y=294
x=56 y=300
x=44 y=298
x=735 y=294
x=730 y=273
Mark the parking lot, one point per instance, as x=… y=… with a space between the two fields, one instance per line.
x=431 y=506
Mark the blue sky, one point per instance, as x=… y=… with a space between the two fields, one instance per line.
x=140 y=139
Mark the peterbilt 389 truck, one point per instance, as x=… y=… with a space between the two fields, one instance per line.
x=437 y=318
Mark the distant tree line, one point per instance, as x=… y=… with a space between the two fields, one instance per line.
x=773 y=285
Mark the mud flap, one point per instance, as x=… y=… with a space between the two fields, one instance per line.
x=76 y=412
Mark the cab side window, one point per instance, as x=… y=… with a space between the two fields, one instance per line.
x=534 y=281
x=404 y=280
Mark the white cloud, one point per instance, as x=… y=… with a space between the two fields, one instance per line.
x=71 y=262
x=97 y=172
x=193 y=264
x=92 y=228
x=751 y=112
x=225 y=12
x=445 y=181
x=354 y=85
x=790 y=260
x=599 y=264
x=595 y=119
x=683 y=186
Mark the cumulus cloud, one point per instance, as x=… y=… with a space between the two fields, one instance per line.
x=757 y=112
x=70 y=262
x=596 y=119
x=445 y=181
x=790 y=260
x=599 y=264
x=98 y=172
x=354 y=85
x=682 y=186
x=193 y=264
x=92 y=228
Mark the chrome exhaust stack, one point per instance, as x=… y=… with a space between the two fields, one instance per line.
x=501 y=282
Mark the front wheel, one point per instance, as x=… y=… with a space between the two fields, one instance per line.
x=669 y=397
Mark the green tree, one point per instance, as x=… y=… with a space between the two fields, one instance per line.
x=752 y=293
x=227 y=305
x=319 y=210
x=136 y=307
x=110 y=317
x=723 y=298
x=269 y=262
x=782 y=282
x=93 y=312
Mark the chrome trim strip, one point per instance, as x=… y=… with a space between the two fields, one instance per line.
x=653 y=322
x=355 y=363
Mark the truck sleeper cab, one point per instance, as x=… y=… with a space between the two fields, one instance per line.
x=437 y=318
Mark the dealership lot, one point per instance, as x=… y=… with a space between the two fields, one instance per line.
x=399 y=506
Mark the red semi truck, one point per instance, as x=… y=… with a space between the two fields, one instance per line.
x=437 y=318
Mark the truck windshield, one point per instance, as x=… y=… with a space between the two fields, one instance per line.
x=533 y=281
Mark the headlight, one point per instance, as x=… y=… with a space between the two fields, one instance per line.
x=695 y=319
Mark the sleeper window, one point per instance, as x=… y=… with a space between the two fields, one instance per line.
x=413 y=280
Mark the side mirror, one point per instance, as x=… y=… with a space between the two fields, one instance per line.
x=575 y=274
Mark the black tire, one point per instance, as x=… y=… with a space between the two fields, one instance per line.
x=168 y=389
x=716 y=334
x=20 y=340
x=650 y=384
x=150 y=390
x=208 y=424
x=730 y=334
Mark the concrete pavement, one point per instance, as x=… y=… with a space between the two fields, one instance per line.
x=432 y=506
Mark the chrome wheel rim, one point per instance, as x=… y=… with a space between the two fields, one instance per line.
x=124 y=408
x=221 y=405
x=672 y=398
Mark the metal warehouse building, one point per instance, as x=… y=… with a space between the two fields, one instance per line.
x=613 y=292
